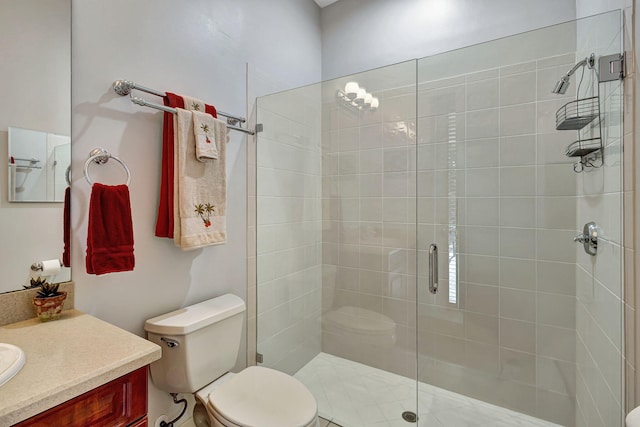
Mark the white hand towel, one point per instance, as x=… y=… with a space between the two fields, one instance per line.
x=204 y=126
x=193 y=104
x=201 y=190
x=190 y=104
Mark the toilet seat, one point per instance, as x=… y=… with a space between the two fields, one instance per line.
x=262 y=397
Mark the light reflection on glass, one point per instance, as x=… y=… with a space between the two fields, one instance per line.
x=452 y=210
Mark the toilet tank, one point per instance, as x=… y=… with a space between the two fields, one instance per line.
x=199 y=343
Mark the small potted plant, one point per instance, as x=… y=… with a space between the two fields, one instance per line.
x=49 y=301
x=36 y=282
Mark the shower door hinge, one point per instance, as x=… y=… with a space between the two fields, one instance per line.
x=611 y=67
x=259 y=127
x=259 y=358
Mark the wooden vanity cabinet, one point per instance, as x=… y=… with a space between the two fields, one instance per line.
x=119 y=403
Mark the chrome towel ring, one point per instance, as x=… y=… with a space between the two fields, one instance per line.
x=101 y=156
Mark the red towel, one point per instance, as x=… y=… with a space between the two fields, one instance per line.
x=110 y=233
x=164 y=221
x=66 y=232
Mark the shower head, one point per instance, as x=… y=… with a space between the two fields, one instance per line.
x=562 y=85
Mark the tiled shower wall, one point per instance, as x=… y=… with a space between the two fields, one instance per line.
x=288 y=229
x=368 y=201
x=599 y=290
x=509 y=337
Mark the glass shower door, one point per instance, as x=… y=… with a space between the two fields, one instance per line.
x=524 y=322
x=336 y=279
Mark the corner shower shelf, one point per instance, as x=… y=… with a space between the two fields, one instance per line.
x=577 y=114
x=581 y=148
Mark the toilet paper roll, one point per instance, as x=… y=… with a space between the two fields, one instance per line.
x=50 y=267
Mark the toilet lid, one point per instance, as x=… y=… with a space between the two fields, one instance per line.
x=264 y=397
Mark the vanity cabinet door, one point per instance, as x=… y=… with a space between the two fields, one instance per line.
x=119 y=403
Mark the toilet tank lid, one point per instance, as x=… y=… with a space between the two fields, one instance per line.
x=188 y=319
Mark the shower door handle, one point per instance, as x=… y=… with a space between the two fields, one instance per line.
x=433 y=268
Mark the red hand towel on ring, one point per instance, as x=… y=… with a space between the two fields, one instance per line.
x=66 y=228
x=110 y=232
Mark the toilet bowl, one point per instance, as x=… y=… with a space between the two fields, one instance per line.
x=200 y=345
x=633 y=418
x=258 y=396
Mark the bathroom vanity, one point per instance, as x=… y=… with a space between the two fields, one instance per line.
x=79 y=369
x=121 y=402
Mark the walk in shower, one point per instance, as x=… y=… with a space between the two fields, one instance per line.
x=415 y=252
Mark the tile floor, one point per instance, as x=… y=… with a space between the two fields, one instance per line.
x=327 y=423
x=350 y=394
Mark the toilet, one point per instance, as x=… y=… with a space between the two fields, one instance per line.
x=200 y=344
x=633 y=418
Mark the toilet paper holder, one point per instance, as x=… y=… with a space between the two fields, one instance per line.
x=37 y=266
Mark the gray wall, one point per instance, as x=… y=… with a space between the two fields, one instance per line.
x=200 y=48
x=358 y=35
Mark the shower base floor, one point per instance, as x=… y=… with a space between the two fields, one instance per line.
x=355 y=395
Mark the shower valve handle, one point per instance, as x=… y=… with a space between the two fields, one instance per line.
x=589 y=238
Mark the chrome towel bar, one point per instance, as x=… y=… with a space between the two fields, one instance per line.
x=124 y=87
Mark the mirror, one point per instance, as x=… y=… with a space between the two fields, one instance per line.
x=35 y=47
x=39 y=166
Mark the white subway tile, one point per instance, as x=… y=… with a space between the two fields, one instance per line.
x=518 y=212
x=518 y=150
x=518 y=243
x=482 y=270
x=481 y=327
x=557 y=343
x=395 y=184
x=440 y=101
x=482 y=123
x=518 y=304
x=518 y=366
x=483 y=182
x=481 y=299
x=395 y=159
x=556 y=245
x=518 y=181
x=518 y=335
x=518 y=273
x=481 y=240
x=518 y=89
x=370 y=137
x=482 y=94
x=482 y=153
x=557 y=180
x=556 y=212
x=399 y=108
x=557 y=310
x=522 y=67
x=482 y=211
x=517 y=119
x=552 y=148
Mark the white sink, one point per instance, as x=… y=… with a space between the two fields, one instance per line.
x=12 y=360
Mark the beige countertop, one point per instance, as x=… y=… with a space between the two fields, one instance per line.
x=66 y=358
